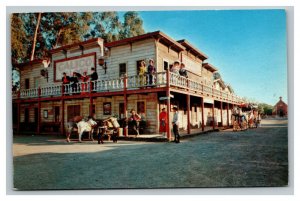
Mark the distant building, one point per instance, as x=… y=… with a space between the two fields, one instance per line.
x=281 y=108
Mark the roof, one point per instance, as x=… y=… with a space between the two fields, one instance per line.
x=209 y=67
x=163 y=38
x=78 y=44
x=221 y=82
x=191 y=48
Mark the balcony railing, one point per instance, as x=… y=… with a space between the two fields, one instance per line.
x=129 y=83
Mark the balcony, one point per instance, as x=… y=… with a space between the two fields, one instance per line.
x=135 y=82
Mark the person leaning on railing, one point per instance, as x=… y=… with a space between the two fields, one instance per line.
x=142 y=72
x=84 y=78
x=65 y=80
x=94 y=77
x=151 y=71
x=182 y=71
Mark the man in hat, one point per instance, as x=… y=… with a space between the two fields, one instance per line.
x=182 y=71
x=151 y=71
x=175 y=123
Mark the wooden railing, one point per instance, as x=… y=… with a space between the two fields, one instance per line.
x=132 y=82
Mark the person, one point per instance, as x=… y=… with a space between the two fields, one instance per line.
x=94 y=77
x=84 y=78
x=142 y=72
x=182 y=71
x=74 y=81
x=162 y=121
x=134 y=120
x=175 y=124
x=151 y=71
x=175 y=68
x=65 y=80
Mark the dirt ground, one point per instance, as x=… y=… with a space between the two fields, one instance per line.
x=256 y=157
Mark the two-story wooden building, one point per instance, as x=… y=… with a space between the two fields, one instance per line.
x=44 y=104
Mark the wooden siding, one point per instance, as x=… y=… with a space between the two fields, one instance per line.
x=129 y=54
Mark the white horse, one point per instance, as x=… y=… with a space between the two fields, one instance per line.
x=82 y=126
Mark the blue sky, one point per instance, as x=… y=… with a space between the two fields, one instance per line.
x=247 y=46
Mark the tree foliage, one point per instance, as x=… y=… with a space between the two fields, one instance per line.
x=58 y=29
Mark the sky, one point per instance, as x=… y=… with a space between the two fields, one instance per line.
x=248 y=47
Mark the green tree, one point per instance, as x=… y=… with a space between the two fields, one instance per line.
x=18 y=39
x=132 y=25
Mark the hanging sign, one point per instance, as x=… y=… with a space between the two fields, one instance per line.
x=208 y=100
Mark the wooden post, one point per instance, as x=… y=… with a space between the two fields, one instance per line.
x=213 y=114
x=19 y=117
x=228 y=114
x=125 y=105
x=188 y=100
x=168 y=127
x=62 y=125
x=91 y=101
x=39 y=112
x=202 y=113
x=221 y=113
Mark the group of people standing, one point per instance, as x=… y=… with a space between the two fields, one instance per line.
x=144 y=71
x=77 y=77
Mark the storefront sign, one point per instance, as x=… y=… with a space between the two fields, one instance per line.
x=208 y=100
x=77 y=64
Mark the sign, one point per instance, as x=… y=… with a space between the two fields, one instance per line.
x=166 y=97
x=208 y=100
x=77 y=64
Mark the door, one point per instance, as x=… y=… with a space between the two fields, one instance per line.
x=57 y=114
x=73 y=111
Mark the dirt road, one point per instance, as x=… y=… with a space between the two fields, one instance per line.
x=256 y=157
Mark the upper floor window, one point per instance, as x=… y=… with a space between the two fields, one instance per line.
x=166 y=65
x=27 y=83
x=122 y=69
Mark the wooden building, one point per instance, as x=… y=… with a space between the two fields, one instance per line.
x=44 y=104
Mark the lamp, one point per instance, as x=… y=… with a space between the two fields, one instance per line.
x=102 y=63
x=44 y=72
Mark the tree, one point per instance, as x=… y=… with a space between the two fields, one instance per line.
x=18 y=39
x=132 y=26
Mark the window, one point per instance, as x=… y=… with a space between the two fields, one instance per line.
x=26 y=83
x=166 y=65
x=73 y=110
x=36 y=82
x=107 y=108
x=122 y=69
x=141 y=107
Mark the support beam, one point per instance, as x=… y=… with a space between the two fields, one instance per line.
x=19 y=118
x=213 y=114
x=228 y=114
x=202 y=113
x=125 y=105
x=168 y=127
x=62 y=121
x=221 y=114
x=188 y=101
x=39 y=112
